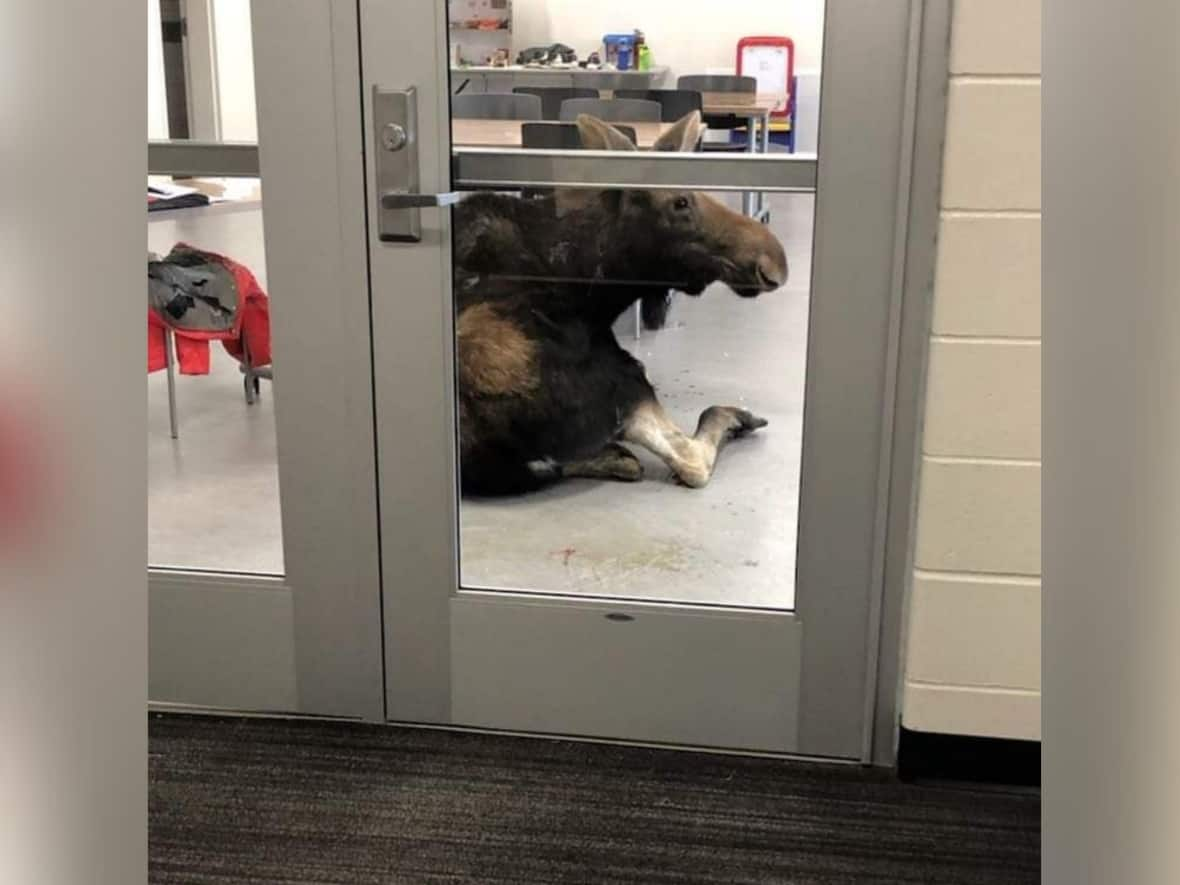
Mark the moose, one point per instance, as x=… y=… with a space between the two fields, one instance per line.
x=545 y=390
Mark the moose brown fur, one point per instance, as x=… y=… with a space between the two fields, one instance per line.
x=545 y=390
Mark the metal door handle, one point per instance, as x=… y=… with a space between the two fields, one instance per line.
x=406 y=200
x=399 y=204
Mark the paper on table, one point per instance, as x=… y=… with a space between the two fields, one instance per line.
x=167 y=190
x=218 y=190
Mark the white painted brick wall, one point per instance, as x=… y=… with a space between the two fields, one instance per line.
x=992 y=156
x=996 y=37
x=973 y=632
x=976 y=630
x=988 y=277
x=979 y=516
x=983 y=398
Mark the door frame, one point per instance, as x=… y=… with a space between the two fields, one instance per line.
x=896 y=176
x=192 y=678
x=917 y=244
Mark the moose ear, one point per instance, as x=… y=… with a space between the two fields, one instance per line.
x=684 y=135
x=597 y=135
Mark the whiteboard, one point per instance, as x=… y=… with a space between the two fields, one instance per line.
x=768 y=65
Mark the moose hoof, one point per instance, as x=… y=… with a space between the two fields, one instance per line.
x=731 y=421
x=622 y=465
x=613 y=462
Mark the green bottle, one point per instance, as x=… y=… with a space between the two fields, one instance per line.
x=644 y=57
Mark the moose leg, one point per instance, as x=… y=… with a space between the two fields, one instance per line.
x=613 y=462
x=690 y=457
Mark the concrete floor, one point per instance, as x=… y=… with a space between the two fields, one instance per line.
x=213 y=494
x=732 y=542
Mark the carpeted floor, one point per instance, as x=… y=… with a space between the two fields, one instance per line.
x=254 y=800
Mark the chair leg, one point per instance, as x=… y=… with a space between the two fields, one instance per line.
x=638 y=322
x=248 y=374
x=170 y=368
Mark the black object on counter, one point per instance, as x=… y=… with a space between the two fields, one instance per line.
x=547 y=54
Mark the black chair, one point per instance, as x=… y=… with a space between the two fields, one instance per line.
x=717 y=83
x=611 y=110
x=495 y=106
x=674 y=103
x=721 y=122
x=560 y=136
x=557 y=137
x=552 y=97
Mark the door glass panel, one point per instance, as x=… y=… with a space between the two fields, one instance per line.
x=213 y=486
x=596 y=328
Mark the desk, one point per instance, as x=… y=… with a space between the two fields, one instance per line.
x=506 y=133
x=756 y=109
x=740 y=104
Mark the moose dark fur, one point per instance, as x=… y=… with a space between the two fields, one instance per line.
x=545 y=390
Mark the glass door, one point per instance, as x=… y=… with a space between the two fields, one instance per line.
x=633 y=316
x=264 y=569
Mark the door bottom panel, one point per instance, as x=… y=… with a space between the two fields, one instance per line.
x=221 y=641
x=603 y=669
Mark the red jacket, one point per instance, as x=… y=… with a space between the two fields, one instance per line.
x=251 y=327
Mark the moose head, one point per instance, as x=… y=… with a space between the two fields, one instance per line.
x=682 y=236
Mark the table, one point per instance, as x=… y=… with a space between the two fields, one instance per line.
x=506 y=133
x=741 y=104
x=756 y=109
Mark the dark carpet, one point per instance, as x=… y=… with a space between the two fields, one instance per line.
x=255 y=800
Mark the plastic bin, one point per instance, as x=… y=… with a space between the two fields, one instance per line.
x=619 y=50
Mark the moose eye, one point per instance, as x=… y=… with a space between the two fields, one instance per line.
x=680 y=204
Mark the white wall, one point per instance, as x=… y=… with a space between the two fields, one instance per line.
x=234 y=55
x=232 y=75
x=690 y=36
x=973 y=663
x=157 y=94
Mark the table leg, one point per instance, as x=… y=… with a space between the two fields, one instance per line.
x=765 y=145
x=751 y=147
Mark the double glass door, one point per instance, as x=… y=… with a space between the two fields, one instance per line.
x=581 y=373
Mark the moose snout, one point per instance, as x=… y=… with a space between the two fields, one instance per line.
x=771 y=271
x=755 y=260
x=770 y=265
x=766 y=260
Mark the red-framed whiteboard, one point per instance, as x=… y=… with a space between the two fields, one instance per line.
x=771 y=61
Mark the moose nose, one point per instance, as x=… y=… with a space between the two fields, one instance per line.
x=771 y=273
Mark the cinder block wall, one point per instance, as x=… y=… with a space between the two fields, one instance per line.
x=973 y=658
